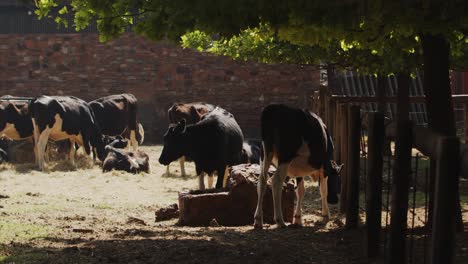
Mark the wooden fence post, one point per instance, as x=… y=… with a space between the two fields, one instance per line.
x=400 y=189
x=337 y=132
x=445 y=211
x=344 y=157
x=354 y=136
x=374 y=183
x=466 y=123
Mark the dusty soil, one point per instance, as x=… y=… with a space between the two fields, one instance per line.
x=84 y=216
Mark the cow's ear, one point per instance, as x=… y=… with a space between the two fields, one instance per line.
x=195 y=114
x=339 y=168
x=11 y=107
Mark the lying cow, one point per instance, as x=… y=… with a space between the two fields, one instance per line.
x=129 y=161
x=192 y=113
x=214 y=143
x=297 y=143
x=117 y=115
x=64 y=117
x=251 y=151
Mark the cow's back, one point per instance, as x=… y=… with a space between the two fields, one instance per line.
x=285 y=129
x=179 y=111
x=219 y=137
x=116 y=113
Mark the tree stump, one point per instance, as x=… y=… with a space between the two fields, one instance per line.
x=236 y=205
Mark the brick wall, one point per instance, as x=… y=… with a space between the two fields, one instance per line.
x=157 y=74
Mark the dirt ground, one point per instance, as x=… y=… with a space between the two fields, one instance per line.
x=84 y=216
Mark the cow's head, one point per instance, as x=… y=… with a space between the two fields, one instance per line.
x=173 y=143
x=7 y=112
x=117 y=142
x=334 y=181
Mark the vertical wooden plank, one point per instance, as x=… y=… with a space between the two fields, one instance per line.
x=401 y=176
x=337 y=133
x=466 y=122
x=374 y=183
x=344 y=158
x=445 y=210
x=380 y=93
x=354 y=136
x=332 y=117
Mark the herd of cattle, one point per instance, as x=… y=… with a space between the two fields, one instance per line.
x=295 y=141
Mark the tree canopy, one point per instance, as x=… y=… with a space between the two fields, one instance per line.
x=371 y=36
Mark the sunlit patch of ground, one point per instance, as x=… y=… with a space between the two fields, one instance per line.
x=81 y=215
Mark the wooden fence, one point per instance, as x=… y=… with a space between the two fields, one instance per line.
x=342 y=116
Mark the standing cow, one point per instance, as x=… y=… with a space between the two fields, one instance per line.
x=192 y=113
x=214 y=144
x=64 y=117
x=297 y=143
x=117 y=116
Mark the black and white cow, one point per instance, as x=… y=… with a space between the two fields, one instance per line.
x=129 y=161
x=15 y=122
x=117 y=115
x=251 y=151
x=192 y=113
x=214 y=144
x=64 y=117
x=297 y=143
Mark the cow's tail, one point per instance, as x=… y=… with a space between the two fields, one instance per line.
x=140 y=134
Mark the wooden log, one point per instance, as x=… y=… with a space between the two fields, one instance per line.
x=374 y=183
x=400 y=189
x=445 y=211
x=237 y=205
x=354 y=136
x=344 y=158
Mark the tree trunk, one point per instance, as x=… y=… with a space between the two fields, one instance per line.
x=439 y=101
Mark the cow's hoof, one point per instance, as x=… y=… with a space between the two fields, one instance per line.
x=295 y=225
x=281 y=225
x=258 y=226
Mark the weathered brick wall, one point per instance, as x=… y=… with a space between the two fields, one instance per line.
x=158 y=74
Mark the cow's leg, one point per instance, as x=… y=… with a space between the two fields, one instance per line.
x=41 y=146
x=201 y=181
x=35 y=141
x=210 y=180
x=261 y=187
x=72 y=152
x=133 y=140
x=323 y=194
x=300 y=191
x=220 y=182
x=277 y=187
x=225 y=176
x=182 y=166
x=167 y=170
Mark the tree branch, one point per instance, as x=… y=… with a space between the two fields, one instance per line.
x=127 y=15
